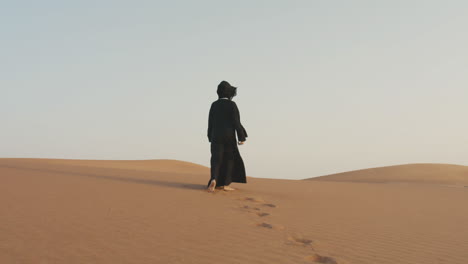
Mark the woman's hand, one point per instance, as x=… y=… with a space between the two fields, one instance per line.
x=241 y=142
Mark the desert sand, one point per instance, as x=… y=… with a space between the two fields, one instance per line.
x=158 y=211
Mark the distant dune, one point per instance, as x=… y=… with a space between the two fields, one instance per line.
x=409 y=173
x=158 y=212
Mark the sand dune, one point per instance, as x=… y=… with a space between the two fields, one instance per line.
x=409 y=173
x=157 y=211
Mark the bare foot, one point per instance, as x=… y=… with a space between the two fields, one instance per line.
x=211 y=188
x=227 y=188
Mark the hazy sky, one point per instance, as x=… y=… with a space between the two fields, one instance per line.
x=324 y=86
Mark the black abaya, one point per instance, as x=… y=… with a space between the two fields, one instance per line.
x=226 y=164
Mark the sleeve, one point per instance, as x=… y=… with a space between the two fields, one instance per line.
x=241 y=132
x=210 y=123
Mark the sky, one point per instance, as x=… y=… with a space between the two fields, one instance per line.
x=323 y=86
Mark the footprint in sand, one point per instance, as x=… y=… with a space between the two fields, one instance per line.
x=252 y=199
x=270 y=226
x=255 y=200
x=321 y=259
x=299 y=240
x=252 y=209
x=265 y=225
x=261 y=214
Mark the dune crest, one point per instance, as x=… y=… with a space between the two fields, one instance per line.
x=428 y=173
x=157 y=165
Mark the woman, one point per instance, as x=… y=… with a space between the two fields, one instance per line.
x=223 y=123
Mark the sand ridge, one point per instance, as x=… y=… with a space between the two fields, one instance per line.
x=429 y=173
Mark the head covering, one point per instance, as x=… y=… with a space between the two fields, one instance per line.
x=225 y=89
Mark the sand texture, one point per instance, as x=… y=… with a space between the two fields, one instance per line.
x=157 y=211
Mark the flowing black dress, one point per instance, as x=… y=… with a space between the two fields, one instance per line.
x=226 y=162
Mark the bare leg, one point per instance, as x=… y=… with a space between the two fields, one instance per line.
x=211 y=188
